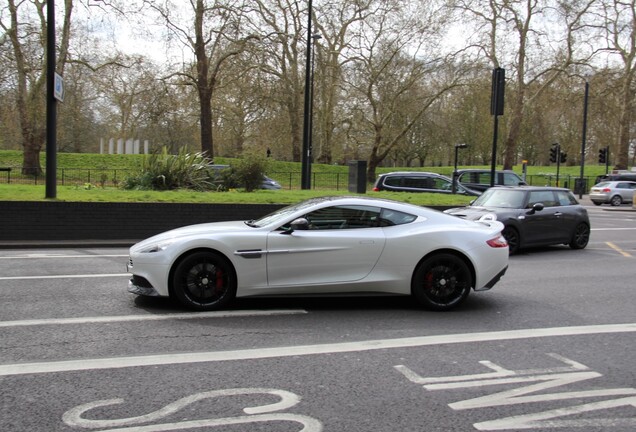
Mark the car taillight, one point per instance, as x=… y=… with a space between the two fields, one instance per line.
x=606 y=190
x=498 y=242
x=375 y=189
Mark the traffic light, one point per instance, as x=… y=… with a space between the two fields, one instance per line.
x=564 y=157
x=553 y=154
x=602 y=155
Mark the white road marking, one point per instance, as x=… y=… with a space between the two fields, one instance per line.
x=162 y=317
x=102 y=275
x=44 y=255
x=290 y=351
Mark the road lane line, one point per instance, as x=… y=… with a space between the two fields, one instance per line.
x=301 y=350
x=103 y=275
x=40 y=256
x=170 y=316
x=619 y=250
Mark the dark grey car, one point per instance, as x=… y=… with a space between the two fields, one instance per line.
x=532 y=216
x=418 y=181
x=479 y=179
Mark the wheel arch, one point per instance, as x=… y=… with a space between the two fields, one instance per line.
x=189 y=252
x=455 y=252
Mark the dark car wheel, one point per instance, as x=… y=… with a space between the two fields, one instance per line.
x=616 y=200
x=204 y=281
x=597 y=203
x=512 y=237
x=441 y=282
x=581 y=236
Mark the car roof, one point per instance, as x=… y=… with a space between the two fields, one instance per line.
x=531 y=188
x=483 y=170
x=422 y=173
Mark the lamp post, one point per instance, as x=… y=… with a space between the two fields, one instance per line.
x=457 y=147
x=583 y=139
x=315 y=37
x=306 y=150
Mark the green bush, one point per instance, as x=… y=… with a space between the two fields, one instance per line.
x=164 y=171
x=250 y=170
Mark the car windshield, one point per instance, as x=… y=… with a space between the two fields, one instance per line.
x=500 y=198
x=279 y=215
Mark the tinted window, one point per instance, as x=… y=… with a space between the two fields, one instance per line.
x=566 y=198
x=394 y=217
x=547 y=198
x=510 y=179
x=344 y=217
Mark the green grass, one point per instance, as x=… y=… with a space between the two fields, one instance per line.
x=93 y=193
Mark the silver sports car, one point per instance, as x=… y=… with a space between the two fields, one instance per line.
x=324 y=246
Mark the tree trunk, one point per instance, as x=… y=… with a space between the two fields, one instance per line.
x=622 y=153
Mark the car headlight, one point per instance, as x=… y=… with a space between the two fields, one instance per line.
x=488 y=217
x=157 y=247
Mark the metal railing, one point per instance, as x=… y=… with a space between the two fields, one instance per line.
x=102 y=177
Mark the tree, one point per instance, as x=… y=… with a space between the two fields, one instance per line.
x=24 y=23
x=543 y=47
x=619 y=32
x=392 y=80
x=213 y=31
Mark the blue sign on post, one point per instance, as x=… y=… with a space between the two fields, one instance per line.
x=58 y=87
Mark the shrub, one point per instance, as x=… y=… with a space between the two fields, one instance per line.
x=249 y=171
x=164 y=171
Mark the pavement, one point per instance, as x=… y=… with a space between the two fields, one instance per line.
x=118 y=243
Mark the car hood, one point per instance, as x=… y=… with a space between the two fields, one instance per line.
x=194 y=231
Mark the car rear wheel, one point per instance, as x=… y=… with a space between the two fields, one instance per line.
x=616 y=200
x=512 y=237
x=581 y=236
x=204 y=281
x=441 y=282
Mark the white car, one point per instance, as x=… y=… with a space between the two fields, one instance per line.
x=324 y=246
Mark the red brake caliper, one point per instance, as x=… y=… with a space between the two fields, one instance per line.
x=219 y=279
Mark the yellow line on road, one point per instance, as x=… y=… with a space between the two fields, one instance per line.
x=619 y=250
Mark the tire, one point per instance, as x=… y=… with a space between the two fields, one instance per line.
x=512 y=237
x=204 y=281
x=581 y=236
x=441 y=282
x=616 y=200
x=597 y=203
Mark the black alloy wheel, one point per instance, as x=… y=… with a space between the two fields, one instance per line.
x=204 y=281
x=512 y=237
x=581 y=236
x=441 y=282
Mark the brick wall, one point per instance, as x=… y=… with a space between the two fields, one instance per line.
x=49 y=221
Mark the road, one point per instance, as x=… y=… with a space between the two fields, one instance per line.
x=550 y=347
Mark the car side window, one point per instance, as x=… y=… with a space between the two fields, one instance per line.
x=510 y=180
x=566 y=198
x=393 y=217
x=545 y=197
x=343 y=217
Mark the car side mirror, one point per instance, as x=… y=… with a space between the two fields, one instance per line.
x=535 y=208
x=300 y=224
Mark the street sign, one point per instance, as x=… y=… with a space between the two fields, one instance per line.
x=58 y=87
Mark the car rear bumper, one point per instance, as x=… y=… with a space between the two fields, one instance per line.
x=493 y=281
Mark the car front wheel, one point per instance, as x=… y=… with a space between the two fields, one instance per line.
x=204 y=281
x=581 y=236
x=441 y=282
